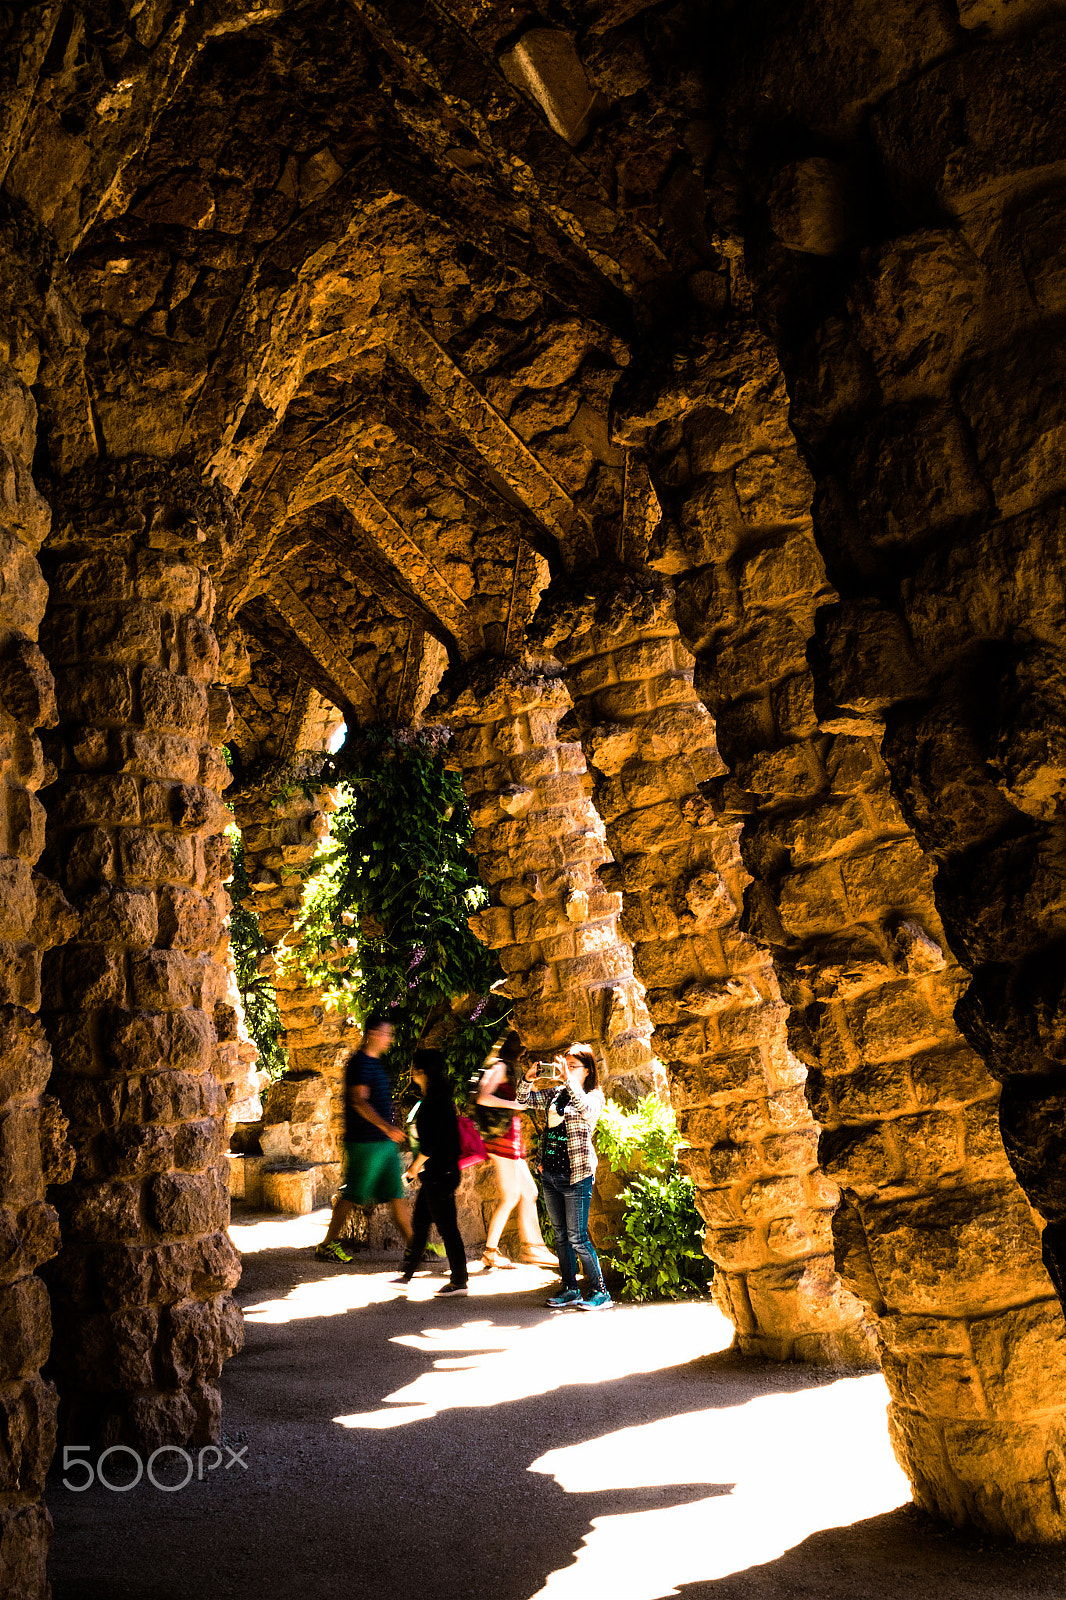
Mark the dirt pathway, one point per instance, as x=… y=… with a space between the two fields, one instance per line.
x=382 y=1445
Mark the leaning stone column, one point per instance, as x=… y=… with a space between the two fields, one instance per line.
x=33 y=916
x=539 y=845
x=144 y=1317
x=720 y=1020
x=933 y=1233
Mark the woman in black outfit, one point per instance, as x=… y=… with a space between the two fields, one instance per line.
x=438 y=1169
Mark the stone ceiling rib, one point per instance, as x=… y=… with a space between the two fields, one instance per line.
x=25 y=52
x=369 y=567
x=433 y=368
x=531 y=160
x=423 y=664
x=401 y=552
x=353 y=688
x=485 y=495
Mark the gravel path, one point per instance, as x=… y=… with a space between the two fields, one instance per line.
x=384 y=1445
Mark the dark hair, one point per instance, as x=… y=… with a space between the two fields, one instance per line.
x=510 y=1057
x=587 y=1059
x=511 y=1049
x=376 y=1019
x=433 y=1064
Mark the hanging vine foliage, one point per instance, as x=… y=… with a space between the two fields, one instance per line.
x=384 y=922
x=257 y=993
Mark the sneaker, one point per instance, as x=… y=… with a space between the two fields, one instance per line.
x=452 y=1288
x=332 y=1252
x=565 y=1297
x=599 y=1301
x=404 y=1277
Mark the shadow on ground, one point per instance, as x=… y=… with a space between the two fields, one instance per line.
x=397 y=1448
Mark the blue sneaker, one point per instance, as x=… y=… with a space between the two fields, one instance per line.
x=565 y=1297
x=600 y=1301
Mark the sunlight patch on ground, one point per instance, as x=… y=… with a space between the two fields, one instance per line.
x=280 y=1233
x=790 y=1465
x=501 y=1364
x=335 y=1289
x=345 y=1289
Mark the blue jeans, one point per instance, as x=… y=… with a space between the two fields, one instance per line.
x=568 y=1208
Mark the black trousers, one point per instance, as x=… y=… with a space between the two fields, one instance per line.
x=436 y=1205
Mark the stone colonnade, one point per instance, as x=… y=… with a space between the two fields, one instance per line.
x=934 y=1234
x=539 y=845
x=712 y=991
x=930 y=403
x=140 y=1290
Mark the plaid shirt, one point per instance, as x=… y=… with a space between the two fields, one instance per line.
x=581 y=1112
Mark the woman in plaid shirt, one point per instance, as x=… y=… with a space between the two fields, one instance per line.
x=568 y=1160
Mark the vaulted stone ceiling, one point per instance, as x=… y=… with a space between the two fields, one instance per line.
x=343 y=263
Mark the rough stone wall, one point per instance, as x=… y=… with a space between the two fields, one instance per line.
x=281 y=838
x=33 y=916
x=140 y=1289
x=237 y=1054
x=842 y=897
x=539 y=845
x=712 y=991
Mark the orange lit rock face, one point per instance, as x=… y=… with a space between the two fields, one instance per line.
x=459 y=304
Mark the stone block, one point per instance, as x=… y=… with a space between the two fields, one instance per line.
x=25 y=1328
x=185 y=1203
x=129 y=634
x=791 y=1152
x=27 y=1443
x=930 y=1147
x=735 y=1249
x=150 y=857
x=1020 y=1356
x=725 y=1163
x=773 y=1197
x=25 y=1535
x=864 y=1159
x=798 y=1298
x=120 y=916
x=892 y=1022
x=896 y=876
x=972 y=127
x=95 y=693
x=170 y=700
x=957 y=1248
x=874 y=1089
x=791 y=567
x=166 y=980
x=939 y=1386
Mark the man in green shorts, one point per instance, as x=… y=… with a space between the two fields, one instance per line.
x=372 y=1142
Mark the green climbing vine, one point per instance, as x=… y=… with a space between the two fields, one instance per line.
x=384 y=919
x=257 y=993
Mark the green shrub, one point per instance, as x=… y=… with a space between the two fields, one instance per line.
x=644 y=1139
x=659 y=1250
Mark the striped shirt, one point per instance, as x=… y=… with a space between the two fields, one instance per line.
x=580 y=1112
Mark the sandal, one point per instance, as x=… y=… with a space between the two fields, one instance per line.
x=491 y=1257
x=538 y=1255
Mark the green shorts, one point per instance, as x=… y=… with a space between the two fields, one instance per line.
x=372 y=1172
